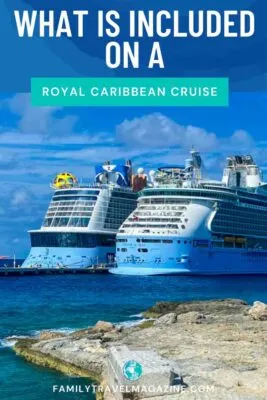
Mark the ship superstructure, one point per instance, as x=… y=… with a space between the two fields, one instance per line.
x=81 y=222
x=187 y=224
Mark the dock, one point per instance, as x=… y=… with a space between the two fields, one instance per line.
x=19 y=271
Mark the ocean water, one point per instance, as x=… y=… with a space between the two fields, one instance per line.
x=29 y=305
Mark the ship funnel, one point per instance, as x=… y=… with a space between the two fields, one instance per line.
x=198 y=165
x=197 y=161
x=242 y=171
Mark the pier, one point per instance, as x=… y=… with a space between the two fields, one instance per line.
x=19 y=271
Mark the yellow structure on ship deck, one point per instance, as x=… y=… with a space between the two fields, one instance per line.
x=64 y=180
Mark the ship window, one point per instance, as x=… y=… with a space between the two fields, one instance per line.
x=183 y=226
x=201 y=243
x=138 y=240
x=76 y=192
x=178 y=241
x=71 y=239
x=118 y=211
x=124 y=250
x=122 y=240
x=151 y=240
x=143 y=250
x=62 y=198
x=167 y=241
x=217 y=244
x=83 y=222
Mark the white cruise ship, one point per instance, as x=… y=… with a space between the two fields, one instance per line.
x=184 y=224
x=82 y=220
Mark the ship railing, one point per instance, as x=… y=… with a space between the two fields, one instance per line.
x=94 y=186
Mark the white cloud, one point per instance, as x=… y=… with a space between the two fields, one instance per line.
x=157 y=130
x=39 y=120
x=21 y=197
x=8 y=159
x=45 y=126
x=242 y=139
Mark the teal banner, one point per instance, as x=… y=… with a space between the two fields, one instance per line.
x=204 y=92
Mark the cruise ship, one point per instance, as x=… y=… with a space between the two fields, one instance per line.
x=187 y=224
x=81 y=222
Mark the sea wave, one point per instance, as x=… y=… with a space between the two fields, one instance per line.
x=10 y=341
x=64 y=330
x=136 y=315
x=130 y=323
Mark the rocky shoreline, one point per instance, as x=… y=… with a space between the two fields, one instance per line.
x=220 y=345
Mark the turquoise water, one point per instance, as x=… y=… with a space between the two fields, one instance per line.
x=31 y=304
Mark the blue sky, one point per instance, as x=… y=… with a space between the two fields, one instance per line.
x=37 y=143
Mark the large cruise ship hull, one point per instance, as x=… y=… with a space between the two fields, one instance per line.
x=68 y=257
x=183 y=258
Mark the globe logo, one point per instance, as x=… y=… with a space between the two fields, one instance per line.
x=132 y=370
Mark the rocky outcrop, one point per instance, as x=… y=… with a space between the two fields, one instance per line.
x=26 y=349
x=95 y=332
x=46 y=335
x=82 y=357
x=218 y=345
x=258 y=311
x=167 y=319
x=193 y=317
x=218 y=307
x=103 y=326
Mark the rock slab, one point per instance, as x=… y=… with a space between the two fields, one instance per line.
x=258 y=311
x=155 y=375
x=167 y=319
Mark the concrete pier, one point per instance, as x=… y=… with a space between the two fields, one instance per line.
x=141 y=372
x=19 y=271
